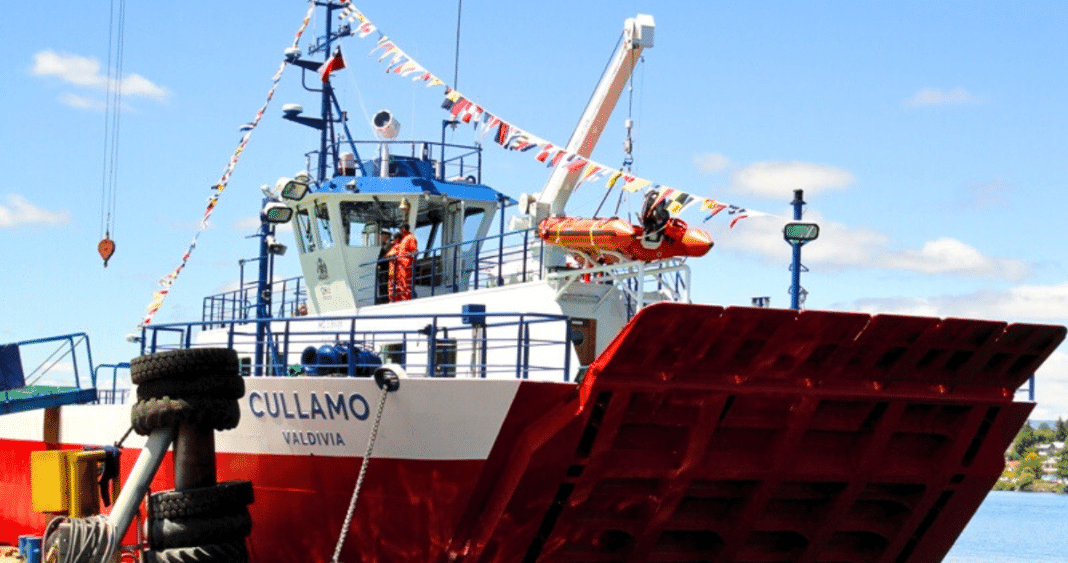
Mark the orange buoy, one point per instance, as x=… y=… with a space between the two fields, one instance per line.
x=106 y=248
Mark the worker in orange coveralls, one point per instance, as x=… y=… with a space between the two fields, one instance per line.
x=402 y=256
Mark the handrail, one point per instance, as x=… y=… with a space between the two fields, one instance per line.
x=240 y=303
x=112 y=397
x=72 y=350
x=446 y=340
x=476 y=263
x=33 y=396
x=457 y=159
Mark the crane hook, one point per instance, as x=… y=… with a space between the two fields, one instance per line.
x=106 y=248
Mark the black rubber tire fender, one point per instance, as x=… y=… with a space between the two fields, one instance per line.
x=231 y=552
x=209 y=386
x=229 y=497
x=165 y=412
x=189 y=363
x=190 y=532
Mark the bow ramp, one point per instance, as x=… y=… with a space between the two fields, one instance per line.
x=759 y=435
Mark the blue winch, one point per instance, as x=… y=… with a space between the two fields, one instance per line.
x=340 y=359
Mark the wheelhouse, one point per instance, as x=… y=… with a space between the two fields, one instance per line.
x=341 y=225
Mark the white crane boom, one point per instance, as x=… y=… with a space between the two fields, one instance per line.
x=637 y=36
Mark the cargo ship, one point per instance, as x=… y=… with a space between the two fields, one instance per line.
x=559 y=396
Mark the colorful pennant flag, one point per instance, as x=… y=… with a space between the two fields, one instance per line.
x=514 y=138
x=675 y=200
x=335 y=62
x=168 y=281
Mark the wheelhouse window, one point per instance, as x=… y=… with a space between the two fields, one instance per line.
x=306 y=235
x=364 y=220
x=322 y=214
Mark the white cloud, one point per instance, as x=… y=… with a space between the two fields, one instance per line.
x=137 y=85
x=778 y=180
x=73 y=69
x=247 y=225
x=1031 y=303
x=989 y=195
x=85 y=72
x=1051 y=388
x=252 y=225
x=19 y=211
x=711 y=163
x=936 y=97
x=843 y=247
x=951 y=256
x=80 y=102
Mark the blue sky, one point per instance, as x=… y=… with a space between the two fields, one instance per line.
x=929 y=138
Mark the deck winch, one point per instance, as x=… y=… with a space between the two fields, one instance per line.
x=340 y=359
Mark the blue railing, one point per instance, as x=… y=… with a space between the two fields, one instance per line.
x=286 y=298
x=512 y=257
x=113 y=396
x=497 y=345
x=442 y=160
x=63 y=365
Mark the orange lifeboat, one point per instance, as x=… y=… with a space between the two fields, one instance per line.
x=607 y=241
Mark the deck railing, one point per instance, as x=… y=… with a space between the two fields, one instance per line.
x=512 y=257
x=111 y=394
x=482 y=345
x=58 y=377
x=444 y=161
x=239 y=304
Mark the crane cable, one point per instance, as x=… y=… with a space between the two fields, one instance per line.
x=628 y=143
x=112 y=113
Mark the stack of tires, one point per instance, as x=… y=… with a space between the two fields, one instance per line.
x=201 y=387
x=205 y=525
x=198 y=385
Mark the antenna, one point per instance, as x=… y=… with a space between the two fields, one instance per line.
x=456 y=62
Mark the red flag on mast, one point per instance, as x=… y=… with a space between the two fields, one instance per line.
x=335 y=62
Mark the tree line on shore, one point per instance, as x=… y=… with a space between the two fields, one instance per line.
x=1027 y=459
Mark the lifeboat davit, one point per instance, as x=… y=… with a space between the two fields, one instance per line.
x=607 y=241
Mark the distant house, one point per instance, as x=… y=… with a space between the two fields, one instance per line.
x=1050 y=449
x=1010 y=467
x=1052 y=454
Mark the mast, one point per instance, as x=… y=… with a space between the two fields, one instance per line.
x=326 y=136
x=328 y=102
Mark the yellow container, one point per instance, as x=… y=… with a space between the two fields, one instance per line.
x=50 y=484
x=84 y=493
x=65 y=482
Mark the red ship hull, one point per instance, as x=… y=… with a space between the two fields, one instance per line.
x=700 y=434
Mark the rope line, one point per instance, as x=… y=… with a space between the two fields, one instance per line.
x=112 y=115
x=359 y=479
x=90 y=540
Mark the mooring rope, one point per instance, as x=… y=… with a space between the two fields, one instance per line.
x=90 y=540
x=359 y=480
